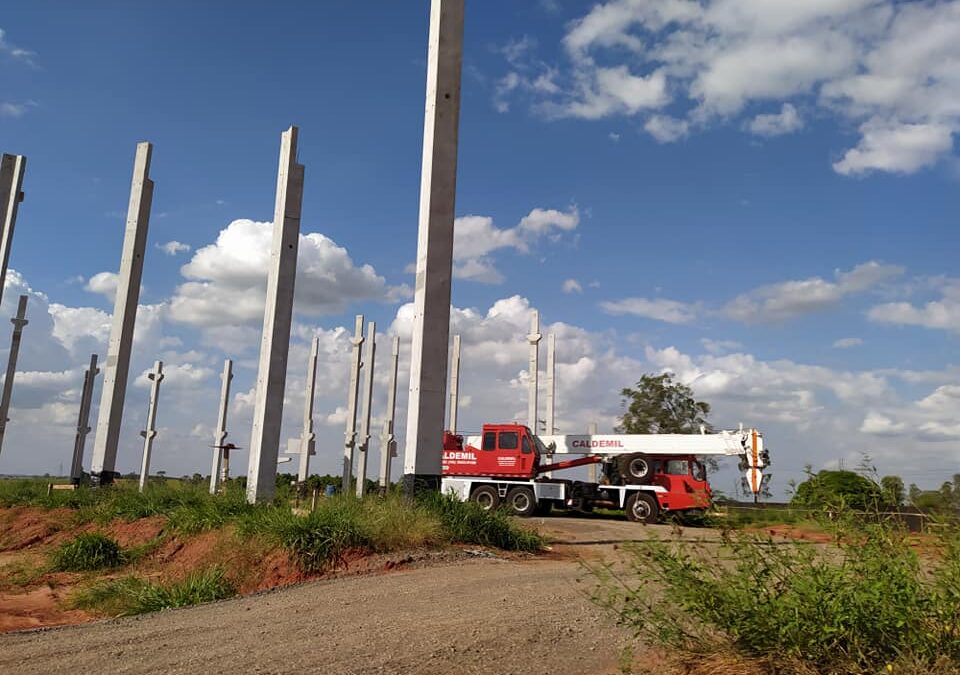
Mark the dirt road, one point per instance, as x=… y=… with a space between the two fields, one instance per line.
x=486 y=616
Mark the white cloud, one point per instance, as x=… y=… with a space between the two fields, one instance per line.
x=785 y=122
x=10 y=109
x=889 y=67
x=174 y=247
x=942 y=314
x=104 y=283
x=847 y=343
x=20 y=54
x=572 y=286
x=667 y=129
x=227 y=280
x=720 y=346
x=477 y=237
x=790 y=299
x=659 y=309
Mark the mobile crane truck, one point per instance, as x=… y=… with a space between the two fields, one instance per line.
x=644 y=475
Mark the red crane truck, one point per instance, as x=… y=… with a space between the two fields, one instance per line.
x=644 y=475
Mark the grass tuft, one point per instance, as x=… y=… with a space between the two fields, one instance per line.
x=133 y=595
x=467 y=523
x=86 y=552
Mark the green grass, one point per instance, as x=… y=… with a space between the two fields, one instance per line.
x=855 y=608
x=86 y=552
x=133 y=595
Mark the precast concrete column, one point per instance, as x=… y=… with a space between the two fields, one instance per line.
x=150 y=433
x=221 y=455
x=307 y=437
x=388 y=441
x=533 y=369
x=277 y=319
x=83 y=421
x=110 y=416
x=19 y=321
x=438 y=187
x=368 y=369
x=592 y=468
x=12 y=168
x=353 y=397
x=454 y=384
x=551 y=391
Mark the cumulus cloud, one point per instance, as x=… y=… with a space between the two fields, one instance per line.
x=105 y=284
x=847 y=343
x=888 y=67
x=572 y=286
x=790 y=299
x=785 y=122
x=659 y=309
x=476 y=238
x=227 y=280
x=174 y=247
x=941 y=314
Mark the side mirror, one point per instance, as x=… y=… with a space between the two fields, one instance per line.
x=551 y=446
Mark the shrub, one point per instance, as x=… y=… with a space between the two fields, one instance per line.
x=467 y=523
x=88 y=551
x=855 y=609
x=133 y=595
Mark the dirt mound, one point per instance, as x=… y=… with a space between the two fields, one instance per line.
x=43 y=606
x=24 y=527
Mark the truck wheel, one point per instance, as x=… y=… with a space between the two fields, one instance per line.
x=487 y=497
x=642 y=508
x=635 y=469
x=521 y=502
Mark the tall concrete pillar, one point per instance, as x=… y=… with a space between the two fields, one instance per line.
x=454 y=384
x=19 y=321
x=307 y=437
x=438 y=188
x=110 y=416
x=368 y=370
x=592 y=468
x=551 y=390
x=277 y=319
x=388 y=441
x=353 y=397
x=12 y=168
x=221 y=454
x=533 y=369
x=150 y=433
x=83 y=421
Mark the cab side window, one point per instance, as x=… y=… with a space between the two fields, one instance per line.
x=509 y=440
x=525 y=447
x=490 y=440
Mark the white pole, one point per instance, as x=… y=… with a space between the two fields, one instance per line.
x=151 y=431
x=83 y=421
x=307 y=437
x=12 y=168
x=455 y=384
x=353 y=395
x=388 y=440
x=533 y=369
x=368 y=369
x=221 y=455
x=551 y=390
x=18 y=323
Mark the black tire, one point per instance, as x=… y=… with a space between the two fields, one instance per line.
x=487 y=497
x=521 y=502
x=635 y=469
x=642 y=508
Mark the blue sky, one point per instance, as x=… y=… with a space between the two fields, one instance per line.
x=761 y=199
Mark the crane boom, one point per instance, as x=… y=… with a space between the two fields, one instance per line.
x=731 y=443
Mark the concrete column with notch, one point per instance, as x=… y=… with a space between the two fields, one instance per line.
x=388 y=441
x=19 y=321
x=308 y=439
x=150 y=433
x=117 y=369
x=454 y=384
x=12 y=168
x=368 y=370
x=353 y=396
x=533 y=369
x=551 y=427
x=83 y=421
x=277 y=320
x=221 y=454
x=592 y=468
x=438 y=187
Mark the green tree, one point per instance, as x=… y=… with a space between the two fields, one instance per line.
x=660 y=405
x=835 y=488
x=893 y=490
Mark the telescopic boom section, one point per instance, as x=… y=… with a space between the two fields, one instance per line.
x=731 y=443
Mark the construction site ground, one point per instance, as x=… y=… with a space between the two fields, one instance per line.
x=476 y=612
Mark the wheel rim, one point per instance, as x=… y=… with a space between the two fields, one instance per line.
x=485 y=500
x=521 y=502
x=639 y=468
x=641 y=509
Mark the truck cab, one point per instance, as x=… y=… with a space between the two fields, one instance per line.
x=505 y=450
